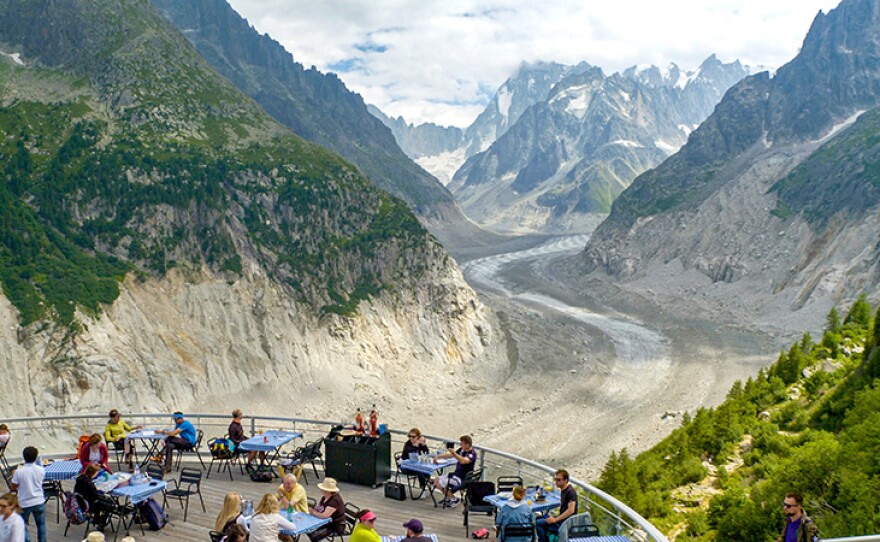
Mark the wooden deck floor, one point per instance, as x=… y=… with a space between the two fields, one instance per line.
x=447 y=524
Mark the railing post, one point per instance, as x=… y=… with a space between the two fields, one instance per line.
x=253 y=426
x=482 y=464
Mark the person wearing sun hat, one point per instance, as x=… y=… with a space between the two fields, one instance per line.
x=365 y=530
x=414 y=530
x=330 y=506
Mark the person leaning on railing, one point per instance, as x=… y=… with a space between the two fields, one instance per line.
x=567 y=507
x=115 y=432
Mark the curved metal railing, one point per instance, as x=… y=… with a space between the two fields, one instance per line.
x=54 y=435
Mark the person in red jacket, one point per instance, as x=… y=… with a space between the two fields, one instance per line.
x=94 y=453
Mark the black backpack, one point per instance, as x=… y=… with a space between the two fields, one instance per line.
x=152 y=514
x=260 y=474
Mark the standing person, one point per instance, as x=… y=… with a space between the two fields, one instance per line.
x=414 y=530
x=365 y=530
x=182 y=437
x=11 y=523
x=568 y=506
x=95 y=453
x=290 y=493
x=230 y=514
x=330 y=506
x=415 y=444
x=115 y=432
x=267 y=522
x=237 y=436
x=798 y=527
x=27 y=480
x=515 y=512
x=467 y=459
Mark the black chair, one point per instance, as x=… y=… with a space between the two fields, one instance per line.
x=351 y=512
x=155 y=471
x=7 y=476
x=196 y=449
x=413 y=479
x=215 y=536
x=312 y=502
x=507 y=483
x=583 y=531
x=474 y=501
x=109 y=509
x=192 y=478
x=3 y=462
x=516 y=530
x=52 y=490
x=475 y=475
x=225 y=458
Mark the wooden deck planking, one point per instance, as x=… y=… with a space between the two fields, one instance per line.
x=446 y=524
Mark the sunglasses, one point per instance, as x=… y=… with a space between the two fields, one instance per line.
x=413 y=436
x=786 y=505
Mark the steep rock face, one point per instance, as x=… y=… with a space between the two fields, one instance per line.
x=164 y=241
x=569 y=156
x=772 y=192
x=418 y=141
x=182 y=340
x=314 y=105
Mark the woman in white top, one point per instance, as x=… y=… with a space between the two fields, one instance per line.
x=12 y=524
x=267 y=522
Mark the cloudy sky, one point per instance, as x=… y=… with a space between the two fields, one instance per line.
x=441 y=61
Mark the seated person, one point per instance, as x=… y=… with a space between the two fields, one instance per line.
x=115 y=432
x=236 y=533
x=330 y=506
x=515 y=512
x=267 y=522
x=237 y=435
x=567 y=507
x=290 y=493
x=182 y=437
x=415 y=444
x=100 y=505
x=94 y=453
x=230 y=514
x=414 y=530
x=4 y=435
x=365 y=530
x=467 y=459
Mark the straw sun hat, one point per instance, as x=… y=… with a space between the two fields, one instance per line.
x=96 y=536
x=328 y=485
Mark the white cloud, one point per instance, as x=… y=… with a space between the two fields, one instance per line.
x=432 y=60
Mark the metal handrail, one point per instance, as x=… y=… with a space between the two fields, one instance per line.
x=622 y=514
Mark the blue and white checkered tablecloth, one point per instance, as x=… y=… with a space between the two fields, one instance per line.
x=550 y=502
x=408 y=465
x=63 y=470
x=616 y=538
x=268 y=441
x=401 y=538
x=140 y=492
x=305 y=523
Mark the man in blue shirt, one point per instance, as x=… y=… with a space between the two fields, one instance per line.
x=182 y=437
x=798 y=527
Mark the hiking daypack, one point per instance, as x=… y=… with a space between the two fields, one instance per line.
x=83 y=441
x=221 y=448
x=152 y=514
x=76 y=508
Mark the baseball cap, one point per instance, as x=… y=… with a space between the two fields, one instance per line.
x=414 y=525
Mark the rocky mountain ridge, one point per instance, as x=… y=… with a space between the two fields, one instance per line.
x=567 y=157
x=771 y=199
x=163 y=240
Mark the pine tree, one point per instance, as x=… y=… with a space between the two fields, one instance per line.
x=860 y=312
x=832 y=321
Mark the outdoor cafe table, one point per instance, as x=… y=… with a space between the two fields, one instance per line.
x=615 y=538
x=269 y=442
x=305 y=523
x=551 y=501
x=135 y=494
x=150 y=439
x=63 y=470
x=429 y=469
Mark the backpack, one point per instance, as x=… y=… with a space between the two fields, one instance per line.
x=221 y=448
x=83 y=441
x=261 y=474
x=152 y=514
x=76 y=508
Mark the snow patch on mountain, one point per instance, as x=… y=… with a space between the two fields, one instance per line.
x=16 y=57
x=443 y=165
